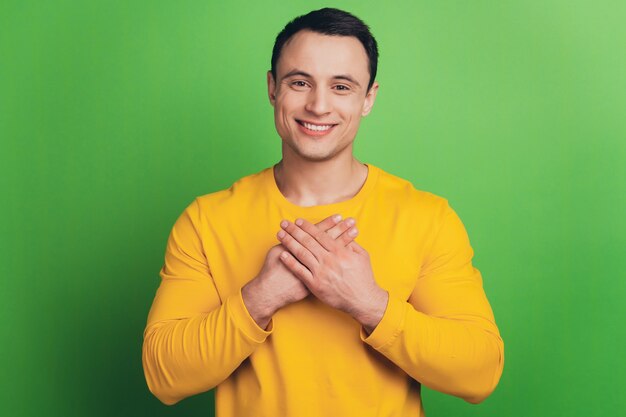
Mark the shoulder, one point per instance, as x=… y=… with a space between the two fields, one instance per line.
x=423 y=210
x=402 y=192
x=240 y=197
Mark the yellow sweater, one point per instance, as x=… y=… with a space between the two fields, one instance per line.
x=438 y=328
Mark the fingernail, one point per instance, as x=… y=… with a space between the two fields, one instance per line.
x=281 y=234
x=298 y=222
x=353 y=232
x=284 y=255
x=337 y=218
x=284 y=223
x=350 y=222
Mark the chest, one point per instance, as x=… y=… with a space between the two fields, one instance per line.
x=396 y=242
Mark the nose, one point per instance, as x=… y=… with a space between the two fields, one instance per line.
x=318 y=102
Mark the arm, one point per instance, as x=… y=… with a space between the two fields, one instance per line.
x=445 y=336
x=193 y=340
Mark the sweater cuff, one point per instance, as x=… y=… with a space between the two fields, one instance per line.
x=244 y=321
x=389 y=326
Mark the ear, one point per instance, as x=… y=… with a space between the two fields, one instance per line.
x=271 y=88
x=370 y=97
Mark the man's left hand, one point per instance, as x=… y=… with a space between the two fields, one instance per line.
x=339 y=276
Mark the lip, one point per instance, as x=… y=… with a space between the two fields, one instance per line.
x=316 y=133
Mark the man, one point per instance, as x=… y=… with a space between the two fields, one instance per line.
x=267 y=295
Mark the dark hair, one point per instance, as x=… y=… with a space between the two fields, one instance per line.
x=333 y=22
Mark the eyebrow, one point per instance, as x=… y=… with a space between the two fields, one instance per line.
x=300 y=73
x=347 y=78
x=295 y=72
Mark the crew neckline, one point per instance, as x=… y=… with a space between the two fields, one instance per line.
x=324 y=209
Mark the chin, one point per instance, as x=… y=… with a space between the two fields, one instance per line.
x=315 y=157
x=303 y=149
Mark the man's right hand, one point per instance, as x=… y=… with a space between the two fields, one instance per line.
x=275 y=286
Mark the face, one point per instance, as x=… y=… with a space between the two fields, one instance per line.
x=320 y=94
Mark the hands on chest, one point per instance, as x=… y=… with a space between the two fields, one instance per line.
x=320 y=259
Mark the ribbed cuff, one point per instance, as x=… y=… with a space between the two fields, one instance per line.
x=389 y=326
x=244 y=321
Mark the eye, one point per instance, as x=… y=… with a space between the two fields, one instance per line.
x=299 y=84
x=342 y=87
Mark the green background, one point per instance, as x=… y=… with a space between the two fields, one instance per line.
x=115 y=115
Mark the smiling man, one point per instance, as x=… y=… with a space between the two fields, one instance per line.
x=266 y=293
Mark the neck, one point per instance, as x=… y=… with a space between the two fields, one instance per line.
x=314 y=183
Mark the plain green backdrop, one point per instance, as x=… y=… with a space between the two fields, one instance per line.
x=115 y=115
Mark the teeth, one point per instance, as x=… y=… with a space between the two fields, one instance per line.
x=317 y=128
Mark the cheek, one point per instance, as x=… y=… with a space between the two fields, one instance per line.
x=351 y=109
x=288 y=101
x=284 y=109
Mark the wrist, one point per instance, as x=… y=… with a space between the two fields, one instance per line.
x=373 y=311
x=257 y=304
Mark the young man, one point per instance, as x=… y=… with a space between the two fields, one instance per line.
x=267 y=295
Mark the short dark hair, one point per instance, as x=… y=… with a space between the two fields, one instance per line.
x=333 y=22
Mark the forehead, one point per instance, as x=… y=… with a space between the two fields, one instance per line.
x=324 y=56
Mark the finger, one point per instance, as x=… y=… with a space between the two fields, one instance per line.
x=356 y=247
x=348 y=236
x=322 y=237
x=329 y=222
x=300 y=271
x=341 y=227
x=304 y=238
x=304 y=255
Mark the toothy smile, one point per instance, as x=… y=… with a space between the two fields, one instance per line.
x=315 y=127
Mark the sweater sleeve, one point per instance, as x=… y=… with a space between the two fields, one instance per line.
x=445 y=335
x=193 y=339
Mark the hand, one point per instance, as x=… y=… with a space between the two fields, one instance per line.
x=275 y=286
x=338 y=275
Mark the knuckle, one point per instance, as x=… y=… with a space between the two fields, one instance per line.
x=314 y=286
x=325 y=261
x=332 y=234
x=315 y=268
x=300 y=253
x=288 y=259
x=314 y=231
x=308 y=240
x=302 y=274
x=288 y=241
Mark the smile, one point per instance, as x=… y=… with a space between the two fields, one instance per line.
x=315 y=129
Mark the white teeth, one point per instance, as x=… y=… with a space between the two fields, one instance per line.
x=317 y=128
